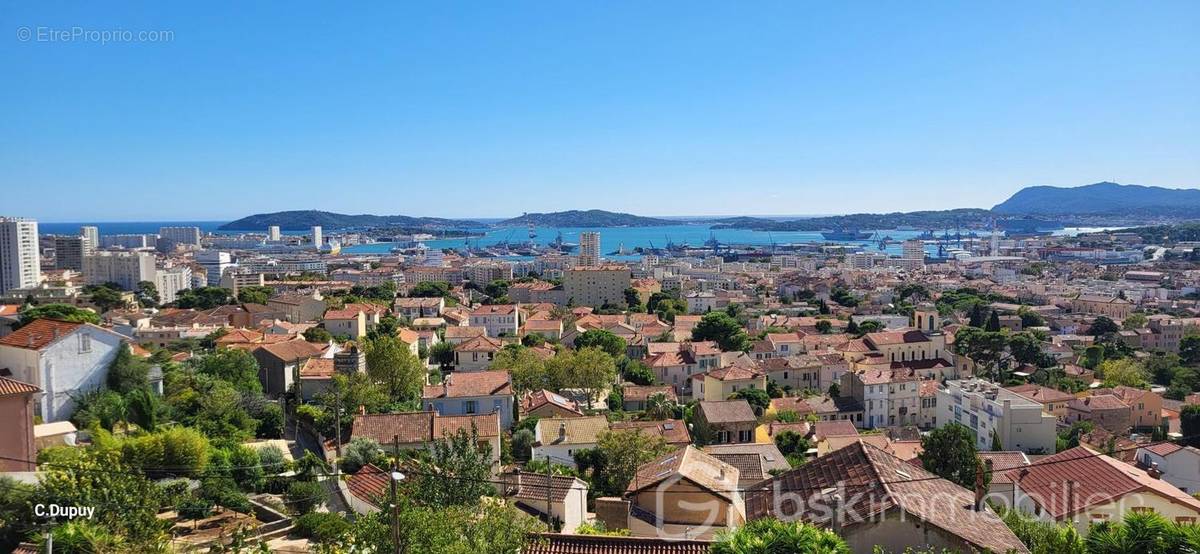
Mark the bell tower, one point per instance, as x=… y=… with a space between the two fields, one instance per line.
x=927 y=319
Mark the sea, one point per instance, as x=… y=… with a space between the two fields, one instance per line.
x=611 y=238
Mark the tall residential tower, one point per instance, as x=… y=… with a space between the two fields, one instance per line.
x=20 y=265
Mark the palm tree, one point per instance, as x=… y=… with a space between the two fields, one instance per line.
x=85 y=537
x=659 y=407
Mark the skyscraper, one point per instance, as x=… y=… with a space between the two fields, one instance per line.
x=69 y=252
x=171 y=238
x=589 y=249
x=20 y=266
x=316 y=236
x=273 y=233
x=92 y=234
x=913 y=250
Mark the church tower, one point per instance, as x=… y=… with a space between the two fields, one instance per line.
x=927 y=319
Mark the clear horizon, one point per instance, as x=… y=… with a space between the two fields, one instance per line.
x=529 y=107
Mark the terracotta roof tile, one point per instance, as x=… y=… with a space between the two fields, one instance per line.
x=10 y=387
x=673 y=431
x=39 y=333
x=554 y=543
x=471 y=384
x=727 y=411
x=370 y=484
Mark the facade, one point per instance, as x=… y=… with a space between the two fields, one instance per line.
x=273 y=233
x=596 y=285
x=497 y=319
x=589 y=249
x=685 y=493
x=418 y=430
x=62 y=359
x=559 y=498
x=171 y=281
x=69 y=252
x=986 y=408
x=1108 y=306
x=483 y=392
x=126 y=269
x=317 y=238
x=20 y=263
x=725 y=422
x=173 y=237
x=18 y=451
x=558 y=439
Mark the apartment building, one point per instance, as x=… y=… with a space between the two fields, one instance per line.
x=986 y=408
x=69 y=252
x=597 y=286
x=171 y=281
x=20 y=264
x=497 y=319
x=126 y=269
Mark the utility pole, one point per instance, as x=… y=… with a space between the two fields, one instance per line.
x=549 y=483
x=392 y=478
x=337 y=417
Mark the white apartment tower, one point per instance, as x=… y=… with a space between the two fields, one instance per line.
x=180 y=236
x=92 y=234
x=913 y=250
x=589 y=249
x=273 y=233
x=20 y=266
x=316 y=236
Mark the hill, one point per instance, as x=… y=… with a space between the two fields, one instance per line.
x=297 y=220
x=589 y=218
x=943 y=219
x=1102 y=198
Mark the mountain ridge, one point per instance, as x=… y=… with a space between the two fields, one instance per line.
x=1099 y=199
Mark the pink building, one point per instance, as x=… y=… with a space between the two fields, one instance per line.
x=16 y=435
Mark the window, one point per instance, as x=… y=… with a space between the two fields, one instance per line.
x=722 y=436
x=1185 y=519
x=1143 y=510
x=469 y=406
x=744 y=436
x=85 y=342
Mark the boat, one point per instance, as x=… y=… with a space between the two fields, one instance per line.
x=561 y=246
x=845 y=234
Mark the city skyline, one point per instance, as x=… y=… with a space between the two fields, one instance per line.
x=532 y=108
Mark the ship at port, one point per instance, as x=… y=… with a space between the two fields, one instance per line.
x=845 y=234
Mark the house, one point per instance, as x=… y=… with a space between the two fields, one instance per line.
x=719 y=384
x=413 y=308
x=558 y=439
x=457 y=335
x=475 y=354
x=1052 y=400
x=725 y=422
x=837 y=408
x=687 y=494
x=17 y=449
x=889 y=396
x=544 y=403
x=906 y=506
x=1103 y=410
x=279 y=364
x=1145 y=407
x=298 y=308
x=561 y=499
x=1085 y=487
x=1109 y=306
x=754 y=462
x=315 y=377
x=558 y=543
x=1001 y=489
x=497 y=319
x=992 y=412
x=366 y=490
x=549 y=329
x=482 y=392
x=62 y=358
x=1176 y=464
x=672 y=431
x=347 y=322
x=417 y=430
x=634 y=396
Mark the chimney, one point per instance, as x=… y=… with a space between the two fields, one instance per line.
x=562 y=431
x=1071 y=500
x=362 y=410
x=722 y=476
x=1154 y=471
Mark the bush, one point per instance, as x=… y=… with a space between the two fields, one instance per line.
x=272 y=459
x=270 y=422
x=247 y=471
x=360 y=452
x=194 y=508
x=321 y=527
x=174 y=492
x=522 y=444
x=304 y=496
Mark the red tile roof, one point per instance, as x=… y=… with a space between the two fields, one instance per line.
x=673 y=431
x=39 y=333
x=292 y=350
x=10 y=387
x=727 y=411
x=420 y=427
x=471 y=384
x=370 y=484
x=555 y=543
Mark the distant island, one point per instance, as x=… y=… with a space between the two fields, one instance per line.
x=942 y=219
x=588 y=218
x=298 y=220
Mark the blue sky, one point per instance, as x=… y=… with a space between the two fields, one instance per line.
x=657 y=108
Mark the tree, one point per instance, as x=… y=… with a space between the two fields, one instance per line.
x=360 y=452
x=638 y=373
x=997 y=446
x=457 y=473
x=949 y=452
x=254 y=294
x=442 y=354
x=724 y=330
x=305 y=496
x=603 y=339
x=143 y=407
x=770 y=535
x=489 y=527
x=528 y=370
x=870 y=326
x=318 y=335
x=107 y=296
x=1093 y=356
x=793 y=446
x=1030 y=318
x=1142 y=533
x=1043 y=537
x=824 y=326
x=429 y=289
x=203 y=298
x=589 y=369
x=978 y=316
x=16 y=519
x=522 y=444
x=757 y=398
x=658 y=407
x=391 y=363
x=987 y=349
x=1135 y=320
x=237 y=367
x=147 y=294
x=617 y=456
x=1027 y=349
x=1123 y=372
x=1103 y=326
x=84 y=536
x=127 y=372
x=1189 y=424
x=1189 y=349
x=633 y=301
x=127 y=503
x=60 y=312
x=993 y=323
x=104 y=408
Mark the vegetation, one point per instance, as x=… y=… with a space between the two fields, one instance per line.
x=949 y=452
x=723 y=329
x=61 y=312
x=769 y=536
x=612 y=464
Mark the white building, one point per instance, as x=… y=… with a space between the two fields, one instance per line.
x=273 y=233
x=92 y=234
x=171 y=281
x=318 y=240
x=131 y=242
x=589 y=248
x=188 y=237
x=1179 y=465
x=987 y=408
x=20 y=264
x=61 y=358
x=214 y=263
x=126 y=269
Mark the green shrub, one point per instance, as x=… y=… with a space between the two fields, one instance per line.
x=270 y=422
x=194 y=508
x=321 y=527
x=247 y=471
x=304 y=496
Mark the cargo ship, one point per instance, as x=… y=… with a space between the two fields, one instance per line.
x=852 y=234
